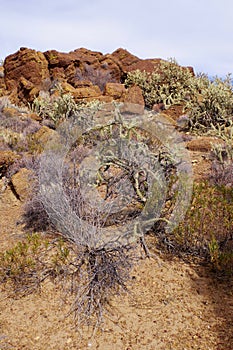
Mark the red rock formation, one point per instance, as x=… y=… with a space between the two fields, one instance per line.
x=86 y=74
x=28 y=64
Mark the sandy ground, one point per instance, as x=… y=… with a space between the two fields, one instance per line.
x=171 y=305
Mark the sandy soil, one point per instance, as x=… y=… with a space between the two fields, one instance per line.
x=171 y=305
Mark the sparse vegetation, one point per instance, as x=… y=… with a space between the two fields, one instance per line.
x=207 y=229
x=76 y=255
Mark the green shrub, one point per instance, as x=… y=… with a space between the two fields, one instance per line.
x=29 y=262
x=207 y=230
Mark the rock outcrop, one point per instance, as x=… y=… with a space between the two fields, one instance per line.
x=84 y=73
x=24 y=71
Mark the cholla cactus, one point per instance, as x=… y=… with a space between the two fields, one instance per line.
x=212 y=106
x=207 y=102
x=58 y=108
x=168 y=84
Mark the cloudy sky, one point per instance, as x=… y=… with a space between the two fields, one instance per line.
x=196 y=33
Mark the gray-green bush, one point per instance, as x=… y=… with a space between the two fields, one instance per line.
x=168 y=84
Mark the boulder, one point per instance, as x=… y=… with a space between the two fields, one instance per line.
x=20 y=184
x=134 y=95
x=27 y=63
x=7 y=158
x=115 y=90
x=174 y=111
x=129 y=62
x=41 y=137
x=27 y=72
x=133 y=101
x=125 y=58
x=67 y=88
x=90 y=93
x=203 y=143
x=11 y=112
x=83 y=65
x=27 y=91
x=58 y=73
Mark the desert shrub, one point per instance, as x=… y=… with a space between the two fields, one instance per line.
x=207 y=103
x=17 y=129
x=105 y=245
x=207 y=230
x=222 y=156
x=88 y=279
x=96 y=76
x=30 y=261
x=5 y=102
x=16 y=132
x=213 y=106
x=58 y=108
x=168 y=84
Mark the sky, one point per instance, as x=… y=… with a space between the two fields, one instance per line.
x=197 y=33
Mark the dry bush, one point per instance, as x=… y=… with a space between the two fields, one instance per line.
x=16 y=132
x=99 y=77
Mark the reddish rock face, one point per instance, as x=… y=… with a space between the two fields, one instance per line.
x=83 y=65
x=129 y=62
x=133 y=101
x=27 y=71
x=134 y=95
x=28 y=64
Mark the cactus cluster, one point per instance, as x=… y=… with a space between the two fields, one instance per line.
x=168 y=84
x=207 y=102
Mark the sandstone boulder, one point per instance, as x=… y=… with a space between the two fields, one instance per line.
x=115 y=90
x=83 y=65
x=87 y=93
x=203 y=143
x=25 y=69
x=10 y=112
x=134 y=95
x=129 y=62
x=41 y=137
x=133 y=101
x=175 y=111
x=21 y=183
x=6 y=159
x=27 y=72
